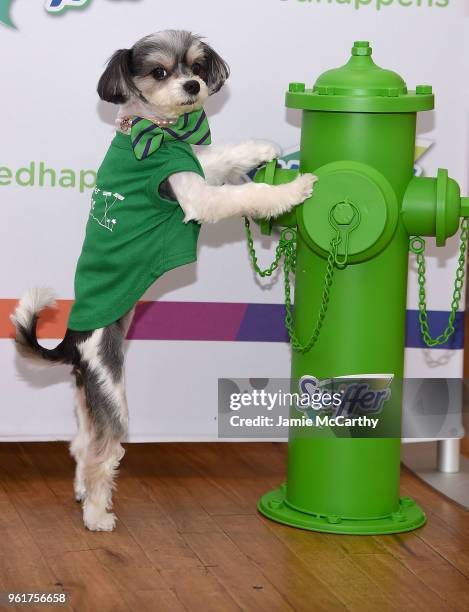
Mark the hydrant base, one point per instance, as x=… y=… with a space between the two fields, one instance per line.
x=410 y=516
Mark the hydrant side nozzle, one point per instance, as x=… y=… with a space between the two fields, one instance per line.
x=465 y=207
x=272 y=174
x=286 y=220
x=419 y=207
x=433 y=207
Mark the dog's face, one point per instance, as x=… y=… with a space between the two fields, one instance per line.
x=173 y=71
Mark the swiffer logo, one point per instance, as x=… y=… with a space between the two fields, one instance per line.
x=346 y=395
x=53 y=7
x=57 y=6
x=5 y=13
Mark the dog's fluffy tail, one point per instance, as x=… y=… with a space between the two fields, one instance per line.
x=25 y=318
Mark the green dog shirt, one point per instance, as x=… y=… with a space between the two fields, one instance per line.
x=133 y=234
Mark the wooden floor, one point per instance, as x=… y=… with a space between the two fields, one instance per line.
x=189 y=538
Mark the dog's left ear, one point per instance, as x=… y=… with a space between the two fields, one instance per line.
x=217 y=69
x=116 y=84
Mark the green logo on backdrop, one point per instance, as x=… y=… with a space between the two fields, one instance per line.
x=378 y=4
x=5 y=13
x=57 y=7
x=53 y=7
x=37 y=174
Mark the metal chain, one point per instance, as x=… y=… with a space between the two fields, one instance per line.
x=252 y=252
x=287 y=248
x=457 y=293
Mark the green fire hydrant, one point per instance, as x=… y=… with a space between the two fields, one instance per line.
x=348 y=246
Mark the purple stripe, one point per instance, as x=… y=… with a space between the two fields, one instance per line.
x=263 y=323
x=199 y=123
x=190 y=132
x=437 y=320
x=202 y=140
x=147 y=129
x=186 y=120
x=172 y=133
x=136 y=120
x=147 y=148
x=187 y=321
x=221 y=321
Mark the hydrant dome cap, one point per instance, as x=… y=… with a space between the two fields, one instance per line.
x=361 y=86
x=360 y=77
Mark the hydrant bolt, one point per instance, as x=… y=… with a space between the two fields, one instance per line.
x=297 y=87
x=343 y=213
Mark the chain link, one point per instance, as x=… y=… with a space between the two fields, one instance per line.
x=457 y=293
x=287 y=248
x=252 y=252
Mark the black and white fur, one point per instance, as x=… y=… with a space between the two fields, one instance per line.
x=161 y=77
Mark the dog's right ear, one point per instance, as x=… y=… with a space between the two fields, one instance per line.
x=116 y=83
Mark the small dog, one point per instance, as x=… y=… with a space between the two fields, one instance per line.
x=163 y=79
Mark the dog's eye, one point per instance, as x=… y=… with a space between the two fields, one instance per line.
x=160 y=73
x=196 y=68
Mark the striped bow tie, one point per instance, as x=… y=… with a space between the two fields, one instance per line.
x=147 y=137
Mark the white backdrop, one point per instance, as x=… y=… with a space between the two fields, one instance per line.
x=51 y=114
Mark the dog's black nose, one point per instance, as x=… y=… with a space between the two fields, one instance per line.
x=192 y=87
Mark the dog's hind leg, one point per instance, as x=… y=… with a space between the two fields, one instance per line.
x=79 y=445
x=101 y=369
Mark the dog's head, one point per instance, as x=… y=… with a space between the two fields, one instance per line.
x=174 y=71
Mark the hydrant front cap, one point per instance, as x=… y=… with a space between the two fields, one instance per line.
x=360 y=86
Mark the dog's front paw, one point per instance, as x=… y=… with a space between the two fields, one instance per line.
x=107 y=522
x=267 y=151
x=79 y=490
x=284 y=197
x=302 y=188
x=80 y=496
x=254 y=153
x=98 y=520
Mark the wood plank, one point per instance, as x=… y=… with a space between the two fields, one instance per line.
x=53 y=461
x=180 y=568
x=441 y=536
x=174 y=518
x=291 y=576
x=22 y=566
x=433 y=569
x=17 y=544
x=245 y=583
x=435 y=503
x=135 y=576
x=459 y=559
x=268 y=460
x=165 y=477
x=118 y=552
x=411 y=550
x=350 y=544
x=157 y=535
x=329 y=562
x=149 y=601
x=18 y=474
x=90 y=585
x=47 y=519
x=447 y=531
x=189 y=539
x=226 y=490
x=399 y=584
x=238 y=482
x=199 y=591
